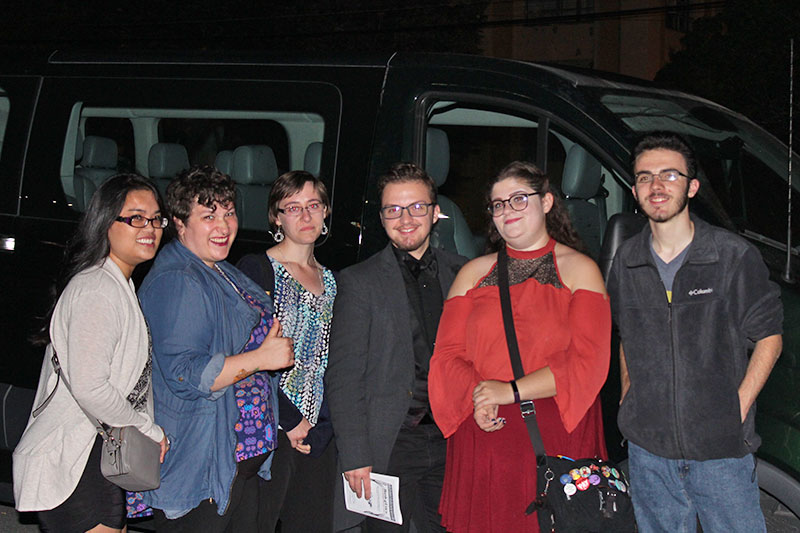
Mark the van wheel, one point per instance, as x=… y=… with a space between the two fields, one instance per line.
x=780 y=498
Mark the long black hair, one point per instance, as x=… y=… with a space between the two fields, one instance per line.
x=90 y=245
x=557 y=220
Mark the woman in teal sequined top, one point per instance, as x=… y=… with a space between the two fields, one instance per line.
x=300 y=494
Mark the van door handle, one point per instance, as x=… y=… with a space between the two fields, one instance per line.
x=7 y=243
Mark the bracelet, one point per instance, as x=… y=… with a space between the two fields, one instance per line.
x=513 y=383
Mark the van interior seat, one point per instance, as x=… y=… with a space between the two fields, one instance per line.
x=312 y=162
x=99 y=161
x=82 y=187
x=224 y=162
x=585 y=197
x=254 y=171
x=451 y=233
x=621 y=227
x=164 y=162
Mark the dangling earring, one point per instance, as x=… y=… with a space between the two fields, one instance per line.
x=324 y=230
x=278 y=236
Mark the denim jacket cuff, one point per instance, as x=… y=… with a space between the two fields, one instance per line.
x=209 y=375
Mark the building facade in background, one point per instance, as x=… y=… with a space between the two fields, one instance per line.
x=631 y=37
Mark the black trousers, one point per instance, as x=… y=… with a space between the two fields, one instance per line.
x=299 y=497
x=418 y=458
x=242 y=512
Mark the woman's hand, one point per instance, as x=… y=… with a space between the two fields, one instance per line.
x=297 y=434
x=164 y=447
x=276 y=351
x=492 y=392
x=486 y=418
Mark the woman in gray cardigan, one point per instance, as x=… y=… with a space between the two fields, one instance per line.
x=99 y=333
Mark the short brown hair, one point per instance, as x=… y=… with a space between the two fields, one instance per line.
x=291 y=183
x=404 y=173
x=204 y=184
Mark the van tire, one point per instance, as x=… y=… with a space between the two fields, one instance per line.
x=779 y=485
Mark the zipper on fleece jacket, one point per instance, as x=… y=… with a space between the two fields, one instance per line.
x=675 y=404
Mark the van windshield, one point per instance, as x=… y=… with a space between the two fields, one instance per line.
x=742 y=170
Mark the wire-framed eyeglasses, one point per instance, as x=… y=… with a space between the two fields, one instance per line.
x=418 y=209
x=296 y=210
x=139 y=221
x=665 y=176
x=517 y=202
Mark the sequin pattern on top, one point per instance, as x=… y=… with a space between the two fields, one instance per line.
x=306 y=318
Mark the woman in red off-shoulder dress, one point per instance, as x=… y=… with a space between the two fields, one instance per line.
x=563 y=325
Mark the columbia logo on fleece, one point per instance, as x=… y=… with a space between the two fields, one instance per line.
x=698 y=292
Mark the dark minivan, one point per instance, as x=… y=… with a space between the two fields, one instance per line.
x=74 y=119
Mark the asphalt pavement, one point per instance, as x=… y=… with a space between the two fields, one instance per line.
x=779 y=519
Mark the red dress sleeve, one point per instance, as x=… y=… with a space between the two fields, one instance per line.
x=581 y=370
x=452 y=377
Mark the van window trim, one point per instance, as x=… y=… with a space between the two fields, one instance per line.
x=427 y=99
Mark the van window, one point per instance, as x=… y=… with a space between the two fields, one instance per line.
x=590 y=191
x=466 y=144
x=205 y=138
x=119 y=129
x=5 y=107
x=253 y=147
x=742 y=170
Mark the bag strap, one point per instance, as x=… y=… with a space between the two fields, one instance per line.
x=101 y=428
x=527 y=407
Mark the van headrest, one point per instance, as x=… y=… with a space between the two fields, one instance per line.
x=254 y=164
x=312 y=162
x=437 y=156
x=166 y=160
x=224 y=162
x=582 y=176
x=99 y=152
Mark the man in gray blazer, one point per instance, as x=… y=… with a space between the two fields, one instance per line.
x=384 y=325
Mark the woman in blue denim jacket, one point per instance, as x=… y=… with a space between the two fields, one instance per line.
x=213 y=340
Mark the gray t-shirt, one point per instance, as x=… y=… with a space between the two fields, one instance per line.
x=667 y=271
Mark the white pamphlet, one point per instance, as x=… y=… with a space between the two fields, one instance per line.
x=384 y=503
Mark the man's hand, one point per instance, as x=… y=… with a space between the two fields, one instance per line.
x=297 y=434
x=358 y=477
x=486 y=418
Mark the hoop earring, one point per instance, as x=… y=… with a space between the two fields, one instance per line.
x=278 y=236
x=324 y=230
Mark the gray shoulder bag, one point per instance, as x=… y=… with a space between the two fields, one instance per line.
x=130 y=459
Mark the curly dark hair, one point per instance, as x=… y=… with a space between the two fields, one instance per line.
x=205 y=185
x=557 y=219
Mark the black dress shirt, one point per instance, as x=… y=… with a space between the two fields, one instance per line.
x=421 y=277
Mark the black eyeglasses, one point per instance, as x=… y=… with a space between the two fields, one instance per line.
x=517 y=202
x=418 y=209
x=139 y=221
x=665 y=176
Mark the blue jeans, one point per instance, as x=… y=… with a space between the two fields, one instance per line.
x=670 y=494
